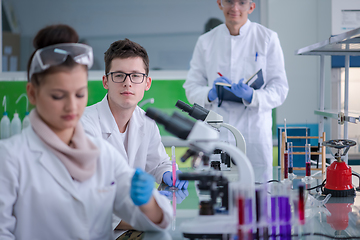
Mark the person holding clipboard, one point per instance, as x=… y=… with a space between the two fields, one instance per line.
x=237 y=50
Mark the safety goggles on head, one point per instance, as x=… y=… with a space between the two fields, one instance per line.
x=54 y=55
x=244 y=4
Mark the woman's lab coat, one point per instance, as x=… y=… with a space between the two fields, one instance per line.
x=236 y=57
x=145 y=149
x=40 y=200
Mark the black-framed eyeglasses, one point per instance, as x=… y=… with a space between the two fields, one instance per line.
x=119 y=77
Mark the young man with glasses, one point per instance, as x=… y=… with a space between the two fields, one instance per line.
x=119 y=120
x=230 y=53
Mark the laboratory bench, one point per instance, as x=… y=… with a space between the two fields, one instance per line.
x=338 y=218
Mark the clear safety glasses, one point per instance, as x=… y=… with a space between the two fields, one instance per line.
x=56 y=54
x=243 y=4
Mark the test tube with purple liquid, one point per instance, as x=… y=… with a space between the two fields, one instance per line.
x=284 y=213
x=274 y=209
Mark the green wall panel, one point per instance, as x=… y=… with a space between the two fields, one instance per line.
x=13 y=90
x=165 y=93
x=96 y=92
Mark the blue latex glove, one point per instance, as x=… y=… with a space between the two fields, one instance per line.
x=168 y=179
x=242 y=90
x=179 y=194
x=212 y=93
x=142 y=185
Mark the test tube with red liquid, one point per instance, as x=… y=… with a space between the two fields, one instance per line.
x=307 y=159
x=244 y=204
x=291 y=156
x=286 y=164
x=241 y=214
x=301 y=205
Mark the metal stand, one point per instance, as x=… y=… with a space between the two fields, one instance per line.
x=345 y=44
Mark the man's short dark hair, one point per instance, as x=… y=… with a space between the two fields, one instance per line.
x=125 y=49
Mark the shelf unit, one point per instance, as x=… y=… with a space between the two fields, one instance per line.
x=346 y=44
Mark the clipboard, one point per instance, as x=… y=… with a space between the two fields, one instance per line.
x=256 y=81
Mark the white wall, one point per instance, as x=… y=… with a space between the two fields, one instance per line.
x=345 y=15
x=168 y=29
x=299 y=24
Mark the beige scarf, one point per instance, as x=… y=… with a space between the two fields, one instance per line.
x=79 y=158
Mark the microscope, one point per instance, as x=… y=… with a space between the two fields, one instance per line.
x=203 y=140
x=224 y=162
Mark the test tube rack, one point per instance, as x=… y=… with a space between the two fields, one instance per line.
x=322 y=152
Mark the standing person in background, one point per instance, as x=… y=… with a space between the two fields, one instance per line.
x=56 y=182
x=119 y=120
x=238 y=49
x=211 y=24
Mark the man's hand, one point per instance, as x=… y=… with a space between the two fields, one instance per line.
x=179 y=194
x=242 y=90
x=168 y=179
x=212 y=93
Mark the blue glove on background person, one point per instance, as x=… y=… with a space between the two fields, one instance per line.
x=179 y=194
x=212 y=93
x=242 y=90
x=142 y=185
x=168 y=179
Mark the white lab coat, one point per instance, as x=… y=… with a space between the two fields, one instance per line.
x=235 y=58
x=145 y=149
x=40 y=200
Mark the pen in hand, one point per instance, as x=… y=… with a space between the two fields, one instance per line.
x=227 y=81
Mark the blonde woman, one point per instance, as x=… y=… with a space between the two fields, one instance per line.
x=57 y=182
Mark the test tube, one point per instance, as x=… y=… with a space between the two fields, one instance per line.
x=301 y=205
x=173 y=224
x=244 y=204
x=286 y=164
x=249 y=213
x=274 y=209
x=307 y=159
x=241 y=214
x=284 y=212
x=291 y=157
x=261 y=204
x=173 y=162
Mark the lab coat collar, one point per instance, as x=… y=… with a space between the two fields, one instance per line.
x=107 y=120
x=136 y=133
x=242 y=31
x=50 y=162
x=245 y=28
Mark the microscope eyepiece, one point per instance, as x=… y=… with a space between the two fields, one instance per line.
x=183 y=106
x=196 y=111
x=187 y=154
x=177 y=124
x=157 y=115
